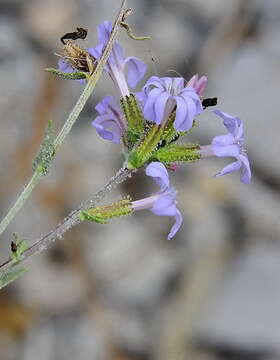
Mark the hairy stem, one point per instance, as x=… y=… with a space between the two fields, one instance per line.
x=20 y=200
x=71 y=220
x=36 y=177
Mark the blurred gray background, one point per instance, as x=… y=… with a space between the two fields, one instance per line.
x=122 y=291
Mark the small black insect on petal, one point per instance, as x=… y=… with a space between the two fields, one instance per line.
x=209 y=102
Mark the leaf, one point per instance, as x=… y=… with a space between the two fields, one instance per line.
x=10 y=276
x=77 y=75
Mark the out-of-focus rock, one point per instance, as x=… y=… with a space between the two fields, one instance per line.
x=130 y=266
x=78 y=337
x=69 y=336
x=39 y=342
x=243 y=313
x=131 y=330
x=52 y=287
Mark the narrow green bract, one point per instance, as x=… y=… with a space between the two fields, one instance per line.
x=8 y=277
x=134 y=118
x=77 y=75
x=43 y=160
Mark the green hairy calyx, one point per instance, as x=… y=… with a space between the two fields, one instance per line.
x=102 y=214
x=177 y=152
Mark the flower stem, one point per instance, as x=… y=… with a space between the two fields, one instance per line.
x=36 y=177
x=71 y=220
x=20 y=200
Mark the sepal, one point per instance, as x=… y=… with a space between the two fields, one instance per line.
x=102 y=214
x=170 y=134
x=147 y=146
x=177 y=153
x=134 y=118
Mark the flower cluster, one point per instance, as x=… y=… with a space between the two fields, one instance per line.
x=149 y=123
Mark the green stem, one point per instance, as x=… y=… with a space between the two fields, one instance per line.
x=70 y=221
x=36 y=177
x=20 y=200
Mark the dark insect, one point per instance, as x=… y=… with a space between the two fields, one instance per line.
x=209 y=102
x=161 y=144
x=81 y=33
x=13 y=246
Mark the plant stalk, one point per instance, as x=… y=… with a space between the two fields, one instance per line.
x=92 y=81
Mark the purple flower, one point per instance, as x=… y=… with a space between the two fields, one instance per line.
x=231 y=144
x=199 y=84
x=160 y=96
x=110 y=123
x=162 y=203
x=116 y=62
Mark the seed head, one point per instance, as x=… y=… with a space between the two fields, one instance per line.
x=78 y=57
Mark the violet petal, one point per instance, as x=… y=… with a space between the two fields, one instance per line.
x=181 y=122
x=245 y=170
x=136 y=70
x=154 y=81
x=159 y=106
x=164 y=206
x=107 y=128
x=234 y=166
x=223 y=140
x=104 y=31
x=159 y=174
x=149 y=110
x=229 y=150
x=176 y=226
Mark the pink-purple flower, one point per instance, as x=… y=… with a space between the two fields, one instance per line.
x=116 y=63
x=160 y=96
x=198 y=83
x=110 y=123
x=162 y=203
x=230 y=145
